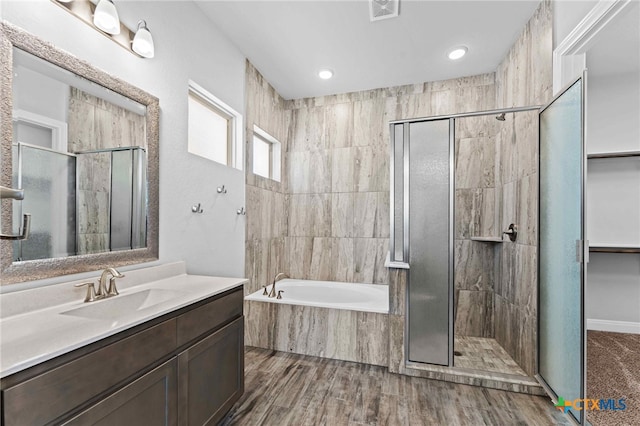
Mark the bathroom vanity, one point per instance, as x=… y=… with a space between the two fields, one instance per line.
x=163 y=352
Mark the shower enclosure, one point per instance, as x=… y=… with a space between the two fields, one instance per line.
x=478 y=302
x=74 y=212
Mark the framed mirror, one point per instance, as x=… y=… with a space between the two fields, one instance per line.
x=83 y=146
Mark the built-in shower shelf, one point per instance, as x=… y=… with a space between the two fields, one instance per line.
x=616 y=154
x=614 y=248
x=495 y=240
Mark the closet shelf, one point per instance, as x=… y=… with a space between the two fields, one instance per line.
x=614 y=248
x=616 y=154
x=495 y=240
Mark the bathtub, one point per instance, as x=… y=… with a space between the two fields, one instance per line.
x=322 y=318
x=329 y=294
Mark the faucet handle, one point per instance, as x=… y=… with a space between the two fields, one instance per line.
x=91 y=291
x=113 y=290
x=265 y=292
x=280 y=294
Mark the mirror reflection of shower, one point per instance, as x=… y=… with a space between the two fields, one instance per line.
x=78 y=192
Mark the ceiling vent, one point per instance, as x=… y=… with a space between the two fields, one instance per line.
x=383 y=9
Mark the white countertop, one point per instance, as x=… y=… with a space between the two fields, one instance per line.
x=29 y=338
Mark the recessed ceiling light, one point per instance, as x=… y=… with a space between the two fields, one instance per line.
x=325 y=74
x=457 y=52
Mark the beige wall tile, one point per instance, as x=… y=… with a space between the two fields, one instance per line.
x=339 y=125
x=342 y=262
x=310 y=215
x=342 y=214
x=369 y=256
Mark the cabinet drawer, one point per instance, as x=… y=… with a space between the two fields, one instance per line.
x=209 y=317
x=46 y=397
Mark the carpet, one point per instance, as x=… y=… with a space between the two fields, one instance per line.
x=613 y=372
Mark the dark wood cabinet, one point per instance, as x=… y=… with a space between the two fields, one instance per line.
x=150 y=400
x=185 y=368
x=211 y=376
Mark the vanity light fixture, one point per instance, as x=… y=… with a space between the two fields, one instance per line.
x=102 y=15
x=106 y=18
x=457 y=52
x=143 y=42
x=325 y=74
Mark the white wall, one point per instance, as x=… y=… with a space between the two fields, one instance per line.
x=39 y=94
x=613 y=189
x=613 y=110
x=613 y=292
x=566 y=15
x=613 y=202
x=187 y=47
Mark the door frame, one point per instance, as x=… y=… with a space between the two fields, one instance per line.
x=569 y=57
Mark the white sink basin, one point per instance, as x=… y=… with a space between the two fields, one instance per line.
x=121 y=305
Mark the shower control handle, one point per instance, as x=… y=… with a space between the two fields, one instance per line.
x=512 y=232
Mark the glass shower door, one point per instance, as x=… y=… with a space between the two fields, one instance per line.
x=561 y=250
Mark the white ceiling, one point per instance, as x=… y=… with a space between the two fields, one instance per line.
x=617 y=47
x=289 y=41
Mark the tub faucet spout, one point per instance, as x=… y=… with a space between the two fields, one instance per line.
x=278 y=277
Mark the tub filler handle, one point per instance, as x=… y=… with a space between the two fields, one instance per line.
x=280 y=294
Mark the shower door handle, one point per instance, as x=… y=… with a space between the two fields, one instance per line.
x=24 y=233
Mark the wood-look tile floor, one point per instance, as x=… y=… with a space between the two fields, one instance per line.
x=289 y=389
x=486 y=354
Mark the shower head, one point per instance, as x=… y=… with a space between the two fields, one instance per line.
x=500 y=117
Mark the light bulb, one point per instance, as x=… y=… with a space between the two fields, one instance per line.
x=325 y=74
x=106 y=18
x=143 y=41
x=457 y=53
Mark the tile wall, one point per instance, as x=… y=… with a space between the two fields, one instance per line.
x=267 y=201
x=523 y=78
x=476 y=207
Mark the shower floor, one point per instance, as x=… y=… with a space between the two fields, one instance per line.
x=482 y=353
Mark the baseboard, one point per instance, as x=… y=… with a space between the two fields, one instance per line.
x=615 y=326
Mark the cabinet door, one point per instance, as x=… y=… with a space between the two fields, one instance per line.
x=150 y=400
x=211 y=376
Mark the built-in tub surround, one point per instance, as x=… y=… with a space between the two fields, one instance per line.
x=39 y=324
x=326 y=319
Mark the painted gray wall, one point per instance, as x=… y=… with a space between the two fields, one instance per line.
x=187 y=47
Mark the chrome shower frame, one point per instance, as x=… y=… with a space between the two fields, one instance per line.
x=403 y=262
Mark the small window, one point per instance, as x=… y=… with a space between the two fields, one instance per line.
x=213 y=128
x=266 y=155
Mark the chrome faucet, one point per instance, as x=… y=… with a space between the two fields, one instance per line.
x=103 y=292
x=278 y=277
